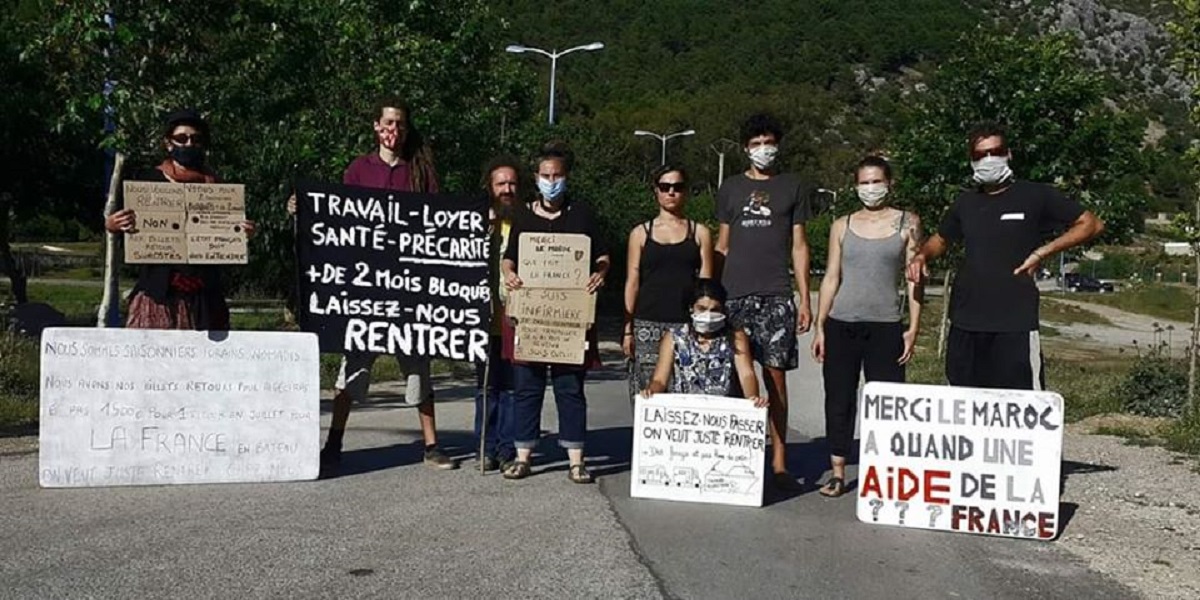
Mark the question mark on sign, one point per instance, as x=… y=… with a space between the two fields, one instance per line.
x=935 y=511
x=903 y=506
x=876 y=504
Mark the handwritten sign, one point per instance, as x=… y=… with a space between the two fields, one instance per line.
x=960 y=459
x=538 y=342
x=150 y=407
x=555 y=260
x=186 y=223
x=694 y=448
x=393 y=272
x=570 y=307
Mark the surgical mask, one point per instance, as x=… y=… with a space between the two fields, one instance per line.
x=708 y=321
x=872 y=194
x=763 y=156
x=551 y=190
x=191 y=157
x=991 y=169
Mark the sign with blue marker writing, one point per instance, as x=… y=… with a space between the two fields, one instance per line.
x=968 y=460
x=393 y=272
x=695 y=448
x=162 y=407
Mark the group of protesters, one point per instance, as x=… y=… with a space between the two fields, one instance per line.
x=701 y=307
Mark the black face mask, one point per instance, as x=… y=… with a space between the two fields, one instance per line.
x=191 y=157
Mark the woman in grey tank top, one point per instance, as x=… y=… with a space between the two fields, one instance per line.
x=859 y=329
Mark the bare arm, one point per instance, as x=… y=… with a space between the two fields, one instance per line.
x=509 y=269
x=800 y=270
x=833 y=274
x=916 y=290
x=720 y=250
x=933 y=247
x=662 y=370
x=1084 y=229
x=637 y=238
x=704 y=237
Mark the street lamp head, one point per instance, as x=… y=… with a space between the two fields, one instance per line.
x=516 y=49
x=688 y=132
x=644 y=132
x=594 y=46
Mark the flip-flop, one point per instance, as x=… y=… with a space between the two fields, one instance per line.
x=836 y=486
x=517 y=469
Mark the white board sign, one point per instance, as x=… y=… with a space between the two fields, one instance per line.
x=969 y=460
x=694 y=448
x=151 y=407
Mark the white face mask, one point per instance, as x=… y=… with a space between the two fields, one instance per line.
x=991 y=169
x=708 y=322
x=872 y=194
x=763 y=156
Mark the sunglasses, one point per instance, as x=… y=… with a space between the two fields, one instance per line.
x=997 y=151
x=183 y=138
x=666 y=187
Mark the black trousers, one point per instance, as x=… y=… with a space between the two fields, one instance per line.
x=988 y=359
x=851 y=349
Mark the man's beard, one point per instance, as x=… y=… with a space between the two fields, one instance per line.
x=504 y=209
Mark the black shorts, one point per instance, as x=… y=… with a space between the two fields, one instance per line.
x=987 y=359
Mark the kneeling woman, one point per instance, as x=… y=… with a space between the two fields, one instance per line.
x=705 y=356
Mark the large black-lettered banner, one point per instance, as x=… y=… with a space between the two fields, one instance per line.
x=393 y=272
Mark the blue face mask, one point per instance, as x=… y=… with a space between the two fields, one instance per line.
x=551 y=190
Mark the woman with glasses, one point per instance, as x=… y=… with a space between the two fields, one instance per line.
x=860 y=328
x=177 y=296
x=667 y=254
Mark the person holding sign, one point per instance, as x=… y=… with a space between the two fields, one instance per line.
x=761 y=249
x=859 y=329
x=493 y=422
x=703 y=357
x=666 y=255
x=177 y=296
x=553 y=212
x=402 y=162
x=1002 y=223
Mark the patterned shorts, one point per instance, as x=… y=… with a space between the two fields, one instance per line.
x=770 y=322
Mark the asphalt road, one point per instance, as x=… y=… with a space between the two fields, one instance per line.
x=390 y=527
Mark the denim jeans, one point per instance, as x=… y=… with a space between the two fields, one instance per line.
x=568 y=396
x=498 y=442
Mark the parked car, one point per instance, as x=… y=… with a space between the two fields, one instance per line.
x=1078 y=282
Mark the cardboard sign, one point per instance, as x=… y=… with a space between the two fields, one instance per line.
x=541 y=305
x=969 y=460
x=694 y=448
x=555 y=260
x=151 y=407
x=186 y=223
x=394 y=273
x=539 y=342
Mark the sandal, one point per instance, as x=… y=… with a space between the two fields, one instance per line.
x=836 y=486
x=784 y=481
x=517 y=469
x=579 y=474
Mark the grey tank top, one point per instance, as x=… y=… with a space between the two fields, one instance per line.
x=871 y=270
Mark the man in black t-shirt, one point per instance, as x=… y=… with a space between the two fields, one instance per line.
x=1003 y=225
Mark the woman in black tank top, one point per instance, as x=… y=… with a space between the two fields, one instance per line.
x=666 y=256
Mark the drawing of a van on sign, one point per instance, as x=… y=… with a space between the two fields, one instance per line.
x=685 y=477
x=737 y=479
x=654 y=474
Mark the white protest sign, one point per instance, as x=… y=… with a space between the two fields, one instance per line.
x=969 y=460
x=694 y=448
x=150 y=407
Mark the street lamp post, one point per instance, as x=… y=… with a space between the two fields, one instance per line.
x=553 y=56
x=722 y=147
x=664 y=138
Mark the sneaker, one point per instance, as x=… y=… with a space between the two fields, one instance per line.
x=331 y=459
x=438 y=459
x=490 y=463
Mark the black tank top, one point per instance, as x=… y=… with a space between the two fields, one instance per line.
x=666 y=275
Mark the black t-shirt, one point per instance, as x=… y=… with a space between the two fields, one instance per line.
x=577 y=217
x=760 y=214
x=999 y=232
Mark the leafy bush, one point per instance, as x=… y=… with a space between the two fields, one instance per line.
x=1155 y=387
x=18 y=380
